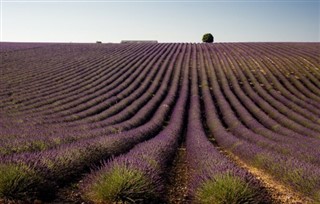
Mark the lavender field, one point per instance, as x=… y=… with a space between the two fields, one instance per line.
x=108 y=121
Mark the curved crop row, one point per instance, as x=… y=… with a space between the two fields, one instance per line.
x=138 y=175
x=73 y=94
x=254 y=131
x=36 y=141
x=294 y=71
x=106 y=89
x=123 y=109
x=121 y=91
x=56 y=57
x=274 y=69
x=121 y=106
x=61 y=69
x=301 y=108
x=214 y=179
x=282 y=108
x=271 y=111
x=140 y=116
x=80 y=72
x=299 y=175
x=39 y=174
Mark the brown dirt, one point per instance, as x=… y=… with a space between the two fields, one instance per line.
x=280 y=193
x=69 y=194
x=177 y=190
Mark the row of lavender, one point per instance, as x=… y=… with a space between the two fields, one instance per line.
x=233 y=119
x=54 y=75
x=125 y=119
x=37 y=175
x=103 y=113
x=139 y=176
x=245 y=124
x=214 y=178
x=242 y=104
x=31 y=173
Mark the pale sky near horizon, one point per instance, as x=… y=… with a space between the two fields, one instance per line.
x=162 y=20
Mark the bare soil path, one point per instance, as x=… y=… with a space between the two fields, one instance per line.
x=177 y=191
x=280 y=193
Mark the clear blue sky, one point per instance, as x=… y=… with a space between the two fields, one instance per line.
x=165 y=21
